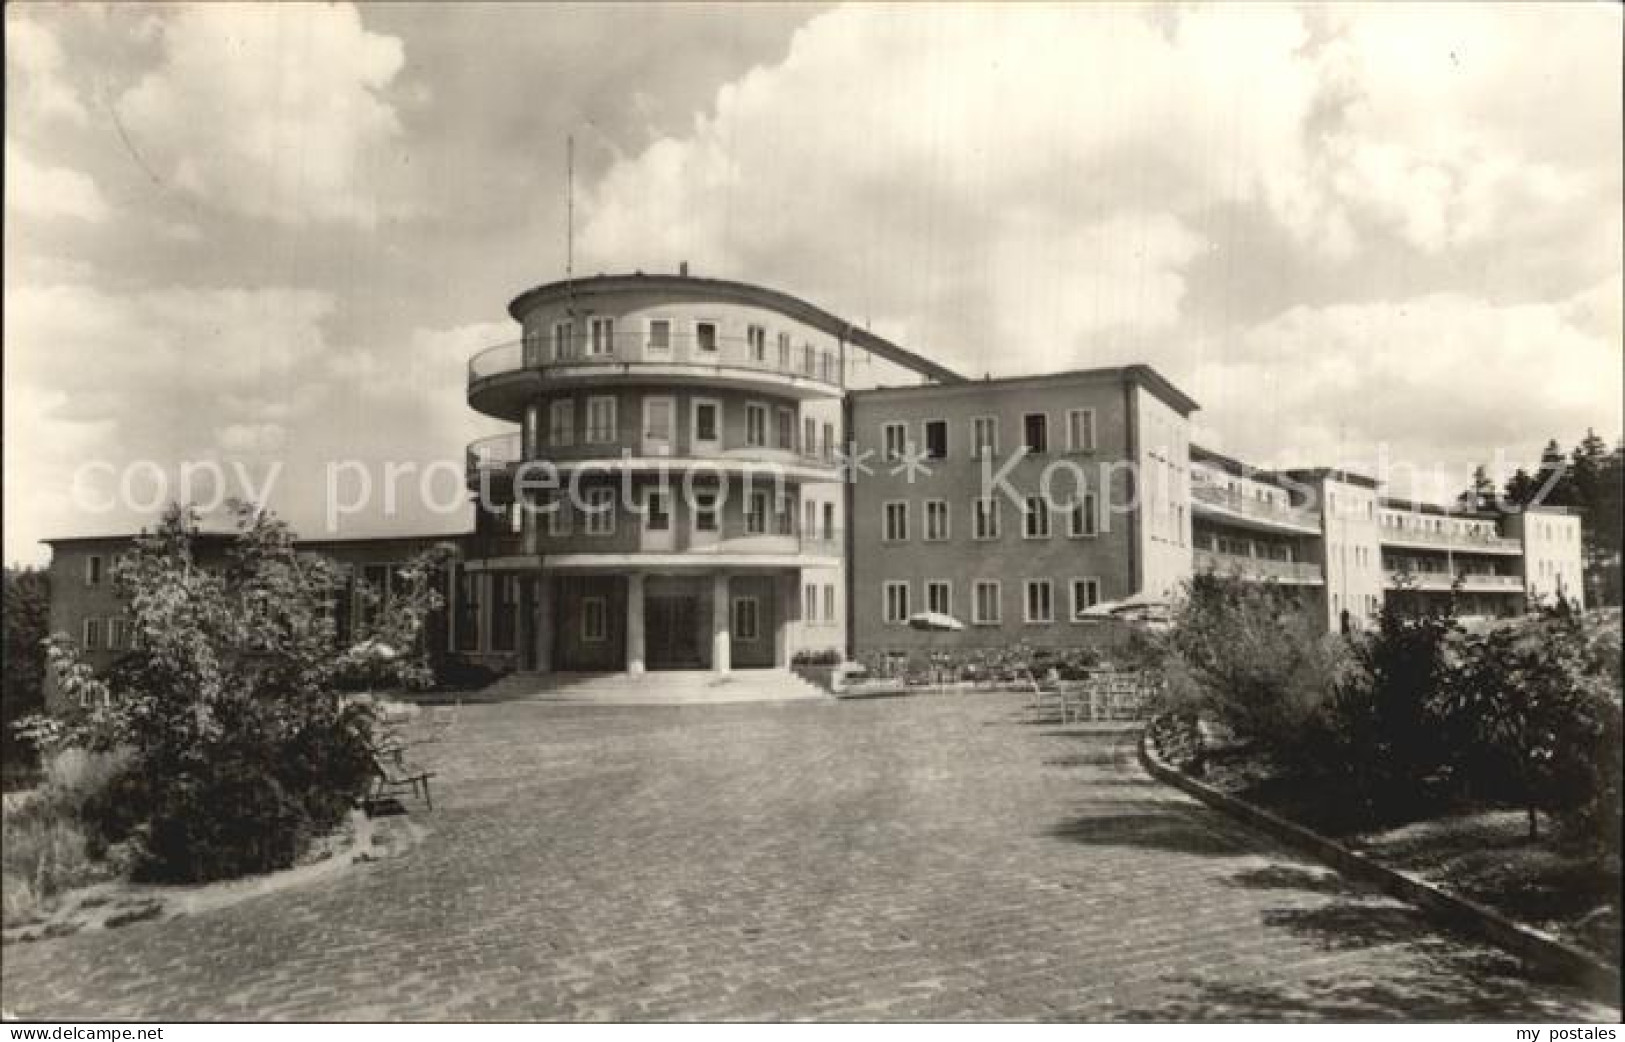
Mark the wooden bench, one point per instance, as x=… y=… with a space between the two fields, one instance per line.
x=393 y=775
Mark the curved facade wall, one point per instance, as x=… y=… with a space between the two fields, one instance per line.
x=671 y=477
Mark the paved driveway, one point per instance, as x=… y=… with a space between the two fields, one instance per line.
x=934 y=857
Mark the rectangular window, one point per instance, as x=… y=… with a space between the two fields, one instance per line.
x=561 y=517
x=987 y=519
x=747 y=619
x=705 y=510
x=756 y=516
x=707 y=423
x=784 y=350
x=1036 y=522
x=657 y=418
x=93 y=634
x=829 y=441
x=659 y=334
x=984 y=437
x=787 y=429
x=809 y=436
x=809 y=598
x=809 y=526
x=1085 y=595
x=895 y=436
x=829 y=520
x=93 y=570
x=756 y=425
x=561 y=422
x=896 y=602
x=601 y=342
x=784 y=515
x=756 y=340
x=895 y=529
x=601 y=426
x=594 y=620
x=1040 y=601
x=600 y=511
x=1084 y=517
x=705 y=336
x=936 y=439
x=829 y=602
x=1080 y=430
x=1035 y=432
x=989 y=603
x=657 y=512
x=936 y=520
x=939 y=597
x=564 y=340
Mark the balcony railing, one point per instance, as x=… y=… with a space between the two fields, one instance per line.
x=1493 y=544
x=1447 y=580
x=495 y=453
x=503 y=452
x=1257 y=568
x=1248 y=506
x=802 y=362
x=736 y=538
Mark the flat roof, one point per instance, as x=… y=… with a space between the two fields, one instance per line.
x=1135 y=375
x=1416 y=506
x=740 y=292
x=1348 y=477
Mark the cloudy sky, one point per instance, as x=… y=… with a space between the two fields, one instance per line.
x=269 y=237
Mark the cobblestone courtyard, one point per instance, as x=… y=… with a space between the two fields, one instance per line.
x=924 y=858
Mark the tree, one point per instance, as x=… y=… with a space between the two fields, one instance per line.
x=243 y=746
x=27 y=624
x=1480 y=495
x=1520 y=488
x=1537 y=712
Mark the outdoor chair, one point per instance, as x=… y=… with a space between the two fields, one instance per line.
x=392 y=775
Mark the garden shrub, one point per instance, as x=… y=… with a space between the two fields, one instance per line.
x=47 y=847
x=1540 y=709
x=1383 y=734
x=242 y=747
x=1260 y=663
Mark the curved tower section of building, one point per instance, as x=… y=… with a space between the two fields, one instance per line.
x=670 y=496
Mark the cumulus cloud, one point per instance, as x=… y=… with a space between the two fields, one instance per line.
x=1434 y=383
x=273 y=111
x=1020 y=189
x=51 y=191
x=34 y=72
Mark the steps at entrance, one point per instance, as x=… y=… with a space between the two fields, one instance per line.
x=660 y=688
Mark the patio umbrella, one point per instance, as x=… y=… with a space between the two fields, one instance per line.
x=935 y=622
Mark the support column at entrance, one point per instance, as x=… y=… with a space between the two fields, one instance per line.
x=544 y=623
x=784 y=593
x=634 y=623
x=721 y=653
x=485 y=610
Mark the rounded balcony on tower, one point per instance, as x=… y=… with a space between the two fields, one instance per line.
x=668 y=330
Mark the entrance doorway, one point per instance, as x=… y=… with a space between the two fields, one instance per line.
x=670 y=629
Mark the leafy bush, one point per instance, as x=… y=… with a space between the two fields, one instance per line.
x=243 y=748
x=1539 y=705
x=1383 y=733
x=1256 y=663
x=826 y=657
x=457 y=673
x=46 y=848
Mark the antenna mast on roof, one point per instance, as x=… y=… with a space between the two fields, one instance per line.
x=569 y=223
